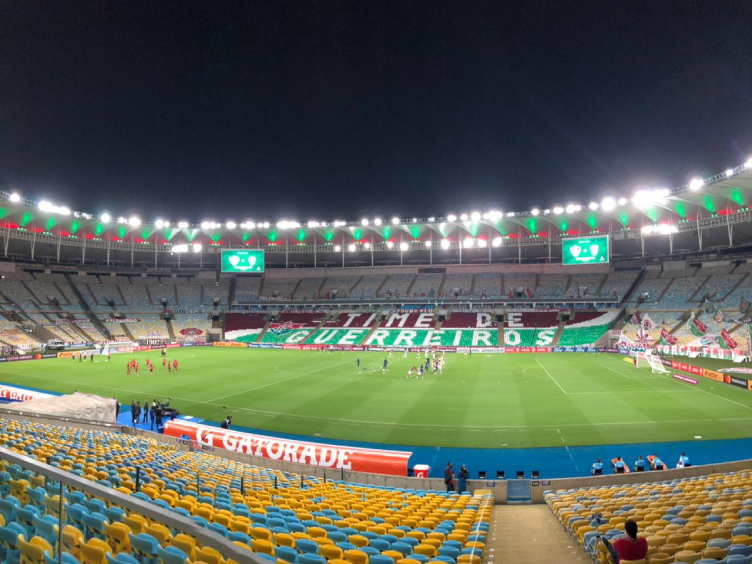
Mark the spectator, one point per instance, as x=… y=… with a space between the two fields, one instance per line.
x=619 y=466
x=462 y=479
x=639 y=465
x=684 y=459
x=449 y=477
x=629 y=547
x=153 y=414
x=597 y=468
x=657 y=463
x=117 y=409
x=134 y=415
x=146 y=411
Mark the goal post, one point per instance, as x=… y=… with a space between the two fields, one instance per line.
x=647 y=358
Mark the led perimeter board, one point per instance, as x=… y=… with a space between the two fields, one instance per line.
x=585 y=250
x=239 y=260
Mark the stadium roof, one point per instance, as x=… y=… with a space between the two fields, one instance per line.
x=649 y=209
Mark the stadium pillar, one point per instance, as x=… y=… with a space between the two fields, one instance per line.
x=459 y=244
x=699 y=231
x=315 y=246
x=61 y=519
x=59 y=243
x=33 y=244
x=287 y=250
x=109 y=243
x=490 y=234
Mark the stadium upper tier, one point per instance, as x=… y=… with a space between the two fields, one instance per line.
x=275 y=514
x=695 y=218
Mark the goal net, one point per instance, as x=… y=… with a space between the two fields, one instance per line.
x=652 y=360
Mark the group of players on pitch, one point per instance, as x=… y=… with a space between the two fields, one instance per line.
x=171 y=366
x=434 y=361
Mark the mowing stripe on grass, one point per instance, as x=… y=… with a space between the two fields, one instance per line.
x=549 y=375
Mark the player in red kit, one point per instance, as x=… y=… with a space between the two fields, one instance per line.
x=169 y=368
x=175 y=364
x=164 y=362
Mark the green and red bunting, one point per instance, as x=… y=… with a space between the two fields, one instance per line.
x=667 y=338
x=697 y=327
x=727 y=342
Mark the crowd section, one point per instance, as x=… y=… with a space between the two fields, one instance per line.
x=706 y=519
x=282 y=517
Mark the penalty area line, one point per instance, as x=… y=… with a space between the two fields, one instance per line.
x=552 y=378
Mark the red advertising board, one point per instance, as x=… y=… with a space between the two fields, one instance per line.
x=274 y=448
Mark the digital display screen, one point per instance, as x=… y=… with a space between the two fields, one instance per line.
x=238 y=260
x=585 y=250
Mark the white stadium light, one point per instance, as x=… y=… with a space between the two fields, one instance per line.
x=166 y=223
x=482 y=243
x=377 y=221
x=696 y=183
x=535 y=211
x=105 y=217
x=729 y=172
x=121 y=219
x=337 y=248
x=496 y=242
x=660 y=229
x=463 y=217
x=134 y=221
x=511 y=214
x=364 y=222
x=231 y=225
x=180 y=249
x=495 y=214
x=366 y=245
x=608 y=204
x=395 y=221
x=623 y=201
x=468 y=243
x=445 y=244
x=313 y=224
x=205 y=225
x=266 y=225
x=485 y=215
x=389 y=245
x=558 y=210
x=593 y=206
x=197 y=247
x=475 y=216
x=431 y=219
x=15 y=198
x=451 y=218
x=415 y=220
x=546 y=212
x=159 y=224
x=748 y=164
x=351 y=247
x=182 y=225
x=428 y=244
x=570 y=208
x=404 y=247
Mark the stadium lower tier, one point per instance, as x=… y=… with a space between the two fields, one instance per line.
x=280 y=516
x=573 y=336
x=708 y=518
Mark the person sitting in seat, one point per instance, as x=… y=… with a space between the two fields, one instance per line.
x=619 y=466
x=597 y=468
x=639 y=465
x=629 y=547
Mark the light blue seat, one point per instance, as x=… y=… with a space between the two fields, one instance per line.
x=369 y=550
x=114 y=514
x=337 y=537
x=172 y=555
x=719 y=543
x=737 y=559
x=391 y=539
x=121 y=558
x=307 y=546
x=402 y=547
x=379 y=544
x=9 y=537
x=380 y=559
x=310 y=558
x=144 y=548
x=94 y=523
x=47 y=528
x=740 y=550
x=411 y=541
x=286 y=553
x=346 y=546
x=449 y=551
x=27 y=516
x=67 y=558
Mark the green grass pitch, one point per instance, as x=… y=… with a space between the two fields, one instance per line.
x=486 y=401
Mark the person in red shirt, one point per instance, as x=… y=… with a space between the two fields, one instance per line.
x=169 y=368
x=629 y=547
x=175 y=364
x=151 y=368
x=164 y=362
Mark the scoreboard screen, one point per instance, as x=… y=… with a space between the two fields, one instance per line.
x=585 y=250
x=240 y=260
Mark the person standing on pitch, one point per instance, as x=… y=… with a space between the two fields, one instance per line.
x=146 y=411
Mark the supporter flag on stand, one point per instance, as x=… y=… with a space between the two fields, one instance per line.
x=511 y=294
x=743 y=305
x=719 y=315
x=727 y=342
x=636 y=319
x=697 y=327
x=642 y=339
x=647 y=323
x=528 y=292
x=709 y=307
x=667 y=338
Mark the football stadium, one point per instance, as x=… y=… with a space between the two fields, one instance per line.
x=373 y=283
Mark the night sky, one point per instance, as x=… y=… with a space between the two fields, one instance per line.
x=338 y=110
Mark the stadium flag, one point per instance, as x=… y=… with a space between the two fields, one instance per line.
x=719 y=315
x=375 y=461
x=642 y=339
x=647 y=323
x=636 y=319
x=667 y=338
x=511 y=294
x=743 y=305
x=727 y=341
x=709 y=307
x=697 y=327
x=528 y=292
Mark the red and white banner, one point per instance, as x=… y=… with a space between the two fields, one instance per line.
x=11 y=393
x=274 y=448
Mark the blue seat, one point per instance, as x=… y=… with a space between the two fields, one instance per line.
x=380 y=559
x=379 y=544
x=737 y=559
x=27 y=516
x=95 y=506
x=172 y=555
x=309 y=558
x=94 y=523
x=47 y=528
x=337 y=537
x=369 y=550
x=239 y=537
x=389 y=538
x=114 y=514
x=402 y=547
x=411 y=541
x=121 y=558
x=287 y=554
x=307 y=546
x=449 y=551
x=422 y=558
x=219 y=529
x=145 y=548
x=9 y=537
x=740 y=550
x=346 y=546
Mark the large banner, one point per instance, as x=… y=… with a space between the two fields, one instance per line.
x=274 y=448
x=13 y=394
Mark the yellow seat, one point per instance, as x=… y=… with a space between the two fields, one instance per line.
x=686 y=556
x=356 y=557
x=209 y=555
x=32 y=552
x=136 y=525
x=185 y=543
x=393 y=554
x=117 y=537
x=284 y=539
x=262 y=546
x=262 y=534
x=316 y=531
x=94 y=552
x=358 y=540
x=426 y=550
x=468 y=559
x=715 y=553
x=332 y=552
x=73 y=538
x=741 y=539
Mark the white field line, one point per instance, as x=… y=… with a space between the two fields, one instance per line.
x=549 y=375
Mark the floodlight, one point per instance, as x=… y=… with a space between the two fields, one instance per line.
x=593 y=206
x=45 y=206
x=496 y=242
x=337 y=248
x=182 y=225
x=204 y=225
x=351 y=247
x=105 y=217
x=389 y=245
x=166 y=223
x=445 y=244
x=265 y=225
x=558 y=210
x=196 y=247
x=463 y=217
x=367 y=245
x=121 y=219
x=608 y=204
x=729 y=172
x=431 y=219
x=364 y=222
x=535 y=211
x=495 y=214
x=696 y=183
x=511 y=214
x=475 y=216
x=377 y=221
x=180 y=249
x=134 y=221
x=577 y=207
x=15 y=198
x=622 y=201
x=482 y=243
x=415 y=220
x=570 y=208
x=312 y=224
x=395 y=221
x=451 y=218
x=159 y=224
x=231 y=225
x=404 y=247
x=428 y=244
x=748 y=164
x=468 y=243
